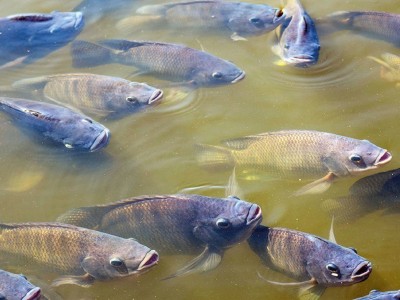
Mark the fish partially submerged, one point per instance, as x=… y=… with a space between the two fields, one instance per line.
x=377 y=295
x=58 y=124
x=374 y=24
x=175 y=224
x=315 y=263
x=27 y=37
x=17 y=287
x=170 y=61
x=297 y=153
x=298 y=42
x=240 y=18
x=92 y=93
x=90 y=255
x=390 y=67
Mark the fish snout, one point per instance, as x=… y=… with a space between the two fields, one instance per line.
x=303 y=60
x=149 y=260
x=156 y=96
x=239 y=77
x=33 y=294
x=383 y=158
x=101 y=141
x=254 y=215
x=362 y=271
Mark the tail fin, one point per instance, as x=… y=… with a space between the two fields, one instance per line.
x=214 y=157
x=87 y=217
x=85 y=54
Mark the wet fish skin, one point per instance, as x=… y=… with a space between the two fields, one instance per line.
x=28 y=37
x=238 y=17
x=377 y=295
x=90 y=256
x=298 y=42
x=376 y=24
x=309 y=259
x=58 y=124
x=175 y=224
x=171 y=61
x=297 y=153
x=92 y=93
x=17 y=287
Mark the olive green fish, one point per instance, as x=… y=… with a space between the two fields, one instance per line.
x=175 y=224
x=81 y=255
x=297 y=154
x=92 y=93
x=390 y=69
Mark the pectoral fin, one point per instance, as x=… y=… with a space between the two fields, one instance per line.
x=305 y=284
x=236 y=37
x=16 y=62
x=311 y=293
x=206 y=261
x=83 y=281
x=331 y=233
x=318 y=186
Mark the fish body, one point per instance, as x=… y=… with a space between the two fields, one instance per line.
x=308 y=259
x=171 y=61
x=17 y=287
x=390 y=67
x=238 y=17
x=298 y=42
x=174 y=224
x=297 y=153
x=93 y=10
x=377 y=295
x=90 y=255
x=376 y=24
x=27 y=37
x=58 y=124
x=92 y=93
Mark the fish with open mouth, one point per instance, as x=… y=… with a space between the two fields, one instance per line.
x=17 y=287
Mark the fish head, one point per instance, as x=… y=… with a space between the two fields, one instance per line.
x=333 y=265
x=13 y=286
x=140 y=95
x=216 y=72
x=233 y=224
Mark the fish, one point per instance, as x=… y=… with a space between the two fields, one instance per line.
x=17 y=287
x=92 y=93
x=94 y=10
x=379 y=191
x=296 y=153
x=377 y=295
x=27 y=37
x=58 y=124
x=373 y=24
x=390 y=67
x=298 y=42
x=90 y=255
x=175 y=224
x=240 y=18
x=315 y=263
x=170 y=61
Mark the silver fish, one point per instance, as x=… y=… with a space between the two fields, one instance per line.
x=17 y=287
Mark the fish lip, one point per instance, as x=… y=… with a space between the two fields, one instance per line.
x=33 y=294
x=156 y=96
x=101 y=140
x=365 y=268
x=149 y=260
x=383 y=158
x=240 y=77
x=302 y=59
x=254 y=215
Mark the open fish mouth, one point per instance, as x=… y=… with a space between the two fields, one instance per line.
x=101 y=141
x=254 y=215
x=383 y=158
x=33 y=294
x=302 y=60
x=157 y=95
x=240 y=77
x=149 y=260
x=362 y=271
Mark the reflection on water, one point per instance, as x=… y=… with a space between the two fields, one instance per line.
x=153 y=153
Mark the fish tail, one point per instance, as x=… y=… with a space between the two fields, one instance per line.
x=214 y=157
x=86 y=54
x=87 y=217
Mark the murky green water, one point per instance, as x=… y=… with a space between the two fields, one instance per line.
x=152 y=153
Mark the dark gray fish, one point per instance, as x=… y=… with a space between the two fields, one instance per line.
x=314 y=262
x=171 y=61
x=375 y=24
x=17 y=287
x=377 y=295
x=58 y=124
x=298 y=42
x=92 y=93
x=27 y=37
x=90 y=255
x=375 y=192
x=240 y=18
x=175 y=224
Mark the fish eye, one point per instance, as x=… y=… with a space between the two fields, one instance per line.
x=217 y=75
x=334 y=269
x=131 y=99
x=353 y=249
x=355 y=158
x=2 y=297
x=223 y=223
x=116 y=262
x=256 y=21
x=286 y=46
